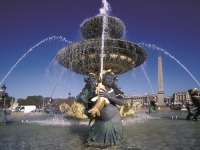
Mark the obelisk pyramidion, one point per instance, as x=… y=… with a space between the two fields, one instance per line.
x=160 y=94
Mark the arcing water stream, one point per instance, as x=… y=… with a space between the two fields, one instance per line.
x=142 y=66
x=23 y=56
x=167 y=53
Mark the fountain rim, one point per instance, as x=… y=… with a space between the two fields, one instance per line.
x=101 y=15
x=89 y=31
x=129 y=51
x=95 y=39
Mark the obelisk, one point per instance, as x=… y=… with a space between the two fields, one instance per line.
x=160 y=94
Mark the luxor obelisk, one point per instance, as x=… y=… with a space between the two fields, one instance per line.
x=160 y=94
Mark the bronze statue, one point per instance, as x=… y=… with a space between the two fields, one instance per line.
x=101 y=106
x=3 y=111
x=48 y=111
x=194 y=109
x=153 y=108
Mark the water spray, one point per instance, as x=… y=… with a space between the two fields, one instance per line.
x=103 y=11
x=58 y=81
x=142 y=66
x=167 y=53
x=23 y=56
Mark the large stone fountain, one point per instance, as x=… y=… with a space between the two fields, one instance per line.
x=102 y=99
x=119 y=55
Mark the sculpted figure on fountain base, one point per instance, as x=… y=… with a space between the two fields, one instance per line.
x=107 y=129
x=3 y=113
x=153 y=108
x=194 y=109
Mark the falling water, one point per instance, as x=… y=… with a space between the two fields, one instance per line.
x=23 y=56
x=104 y=11
x=47 y=69
x=63 y=70
x=142 y=66
x=167 y=53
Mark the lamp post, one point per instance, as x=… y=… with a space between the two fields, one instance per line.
x=4 y=93
x=43 y=102
x=69 y=99
x=69 y=94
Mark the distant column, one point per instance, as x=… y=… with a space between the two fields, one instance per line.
x=160 y=94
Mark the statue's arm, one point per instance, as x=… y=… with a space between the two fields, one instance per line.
x=119 y=100
x=196 y=98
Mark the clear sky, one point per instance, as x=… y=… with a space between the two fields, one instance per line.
x=172 y=25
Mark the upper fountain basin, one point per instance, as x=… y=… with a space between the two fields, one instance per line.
x=92 y=27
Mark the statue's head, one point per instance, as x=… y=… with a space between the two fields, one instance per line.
x=193 y=92
x=116 y=78
x=86 y=80
x=154 y=101
x=92 y=80
x=108 y=78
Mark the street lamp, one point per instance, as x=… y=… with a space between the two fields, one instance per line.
x=3 y=94
x=69 y=99
x=3 y=88
x=69 y=94
x=43 y=102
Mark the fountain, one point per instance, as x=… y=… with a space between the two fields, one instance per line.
x=143 y=131
x=102 y=56
x=120 y=56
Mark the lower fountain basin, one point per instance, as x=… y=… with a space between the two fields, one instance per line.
x=142 y=131
x=85 y=56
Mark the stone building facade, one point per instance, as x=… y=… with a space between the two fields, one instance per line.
x=182 y=97
x=177 y=97
x=168 y=100
x=143 y=99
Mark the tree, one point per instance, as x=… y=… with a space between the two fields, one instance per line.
x=20 y=99
x=8 y=100
x=32 y=100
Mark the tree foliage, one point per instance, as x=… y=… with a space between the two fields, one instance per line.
x=32 y=100
x=70 y=101
x=8 y=100
x=41 y=101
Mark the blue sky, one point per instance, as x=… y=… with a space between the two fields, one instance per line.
x=172 y=25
